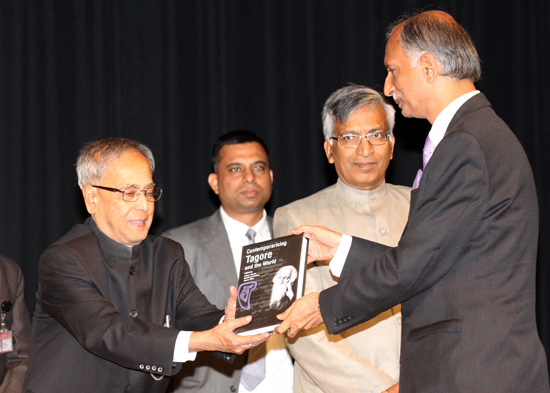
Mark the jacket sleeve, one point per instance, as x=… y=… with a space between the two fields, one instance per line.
x=446 y=210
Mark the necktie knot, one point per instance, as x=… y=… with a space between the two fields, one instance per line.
x=251 y=236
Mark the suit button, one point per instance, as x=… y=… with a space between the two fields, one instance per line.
x=382 y=231
x=132 y=270
x=233 y=389
x=134 y=313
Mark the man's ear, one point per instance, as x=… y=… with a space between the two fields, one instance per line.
x=328 y=151
x=213 y=182
x=90 y=198
x=432 y=68
x=392 y=145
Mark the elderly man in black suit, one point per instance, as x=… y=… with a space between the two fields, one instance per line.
x=117 y=309
x=464 y=269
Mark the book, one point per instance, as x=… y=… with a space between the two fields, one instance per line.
x=272 y=277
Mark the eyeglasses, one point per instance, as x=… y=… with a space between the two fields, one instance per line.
x=350 y=141
x=132 y=194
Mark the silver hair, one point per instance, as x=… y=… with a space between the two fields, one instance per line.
x=341 y=104
x=436 y=32
x=94 y=157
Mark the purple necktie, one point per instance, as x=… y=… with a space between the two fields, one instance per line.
x=427 y=152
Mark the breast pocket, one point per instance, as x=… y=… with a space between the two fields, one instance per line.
x=449 y=325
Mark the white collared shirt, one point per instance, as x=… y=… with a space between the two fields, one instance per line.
x=441 y=123
x=236 y=231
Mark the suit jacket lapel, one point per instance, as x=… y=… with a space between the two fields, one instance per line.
x=270 y=225
x=474 y=103
x=218 y=250
x=216 y=245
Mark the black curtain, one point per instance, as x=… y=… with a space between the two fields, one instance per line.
x=177 y=74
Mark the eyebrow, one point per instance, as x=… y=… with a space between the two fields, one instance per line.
x=241 y=164
x=347 y=132
x=138 y=186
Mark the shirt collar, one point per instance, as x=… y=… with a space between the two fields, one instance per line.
x=233 y=226
x=354 y=194
x=442 y=120
x=236 y=231
x=111 y=247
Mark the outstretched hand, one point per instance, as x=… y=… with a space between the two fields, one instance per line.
x=323 y=242
x=303 y=314
x=222 y=337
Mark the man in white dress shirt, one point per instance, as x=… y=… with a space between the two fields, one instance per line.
x=243 y=181
x=357 y=125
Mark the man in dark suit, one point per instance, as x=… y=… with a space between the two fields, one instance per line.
x=243 y=181
x=117 y=310
x=15 y=327
x=464 y=269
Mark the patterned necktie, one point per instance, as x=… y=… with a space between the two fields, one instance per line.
x=254 y=370
x=427 y=152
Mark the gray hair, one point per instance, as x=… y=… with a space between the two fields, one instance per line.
x=343 y=102
x=436 y=32
x=94 y=157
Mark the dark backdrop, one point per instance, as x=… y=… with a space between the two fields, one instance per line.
x=177 y=74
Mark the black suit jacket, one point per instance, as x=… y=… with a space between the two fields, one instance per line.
x=83 y=340
x=464 y=269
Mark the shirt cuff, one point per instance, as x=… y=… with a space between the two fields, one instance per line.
x=337 y=263
x=181 y=350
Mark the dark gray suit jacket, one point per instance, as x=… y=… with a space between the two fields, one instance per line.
x=464 y=269
x=84 y=341
x=210 y=259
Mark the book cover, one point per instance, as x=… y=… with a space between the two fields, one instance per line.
x=271 y=278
